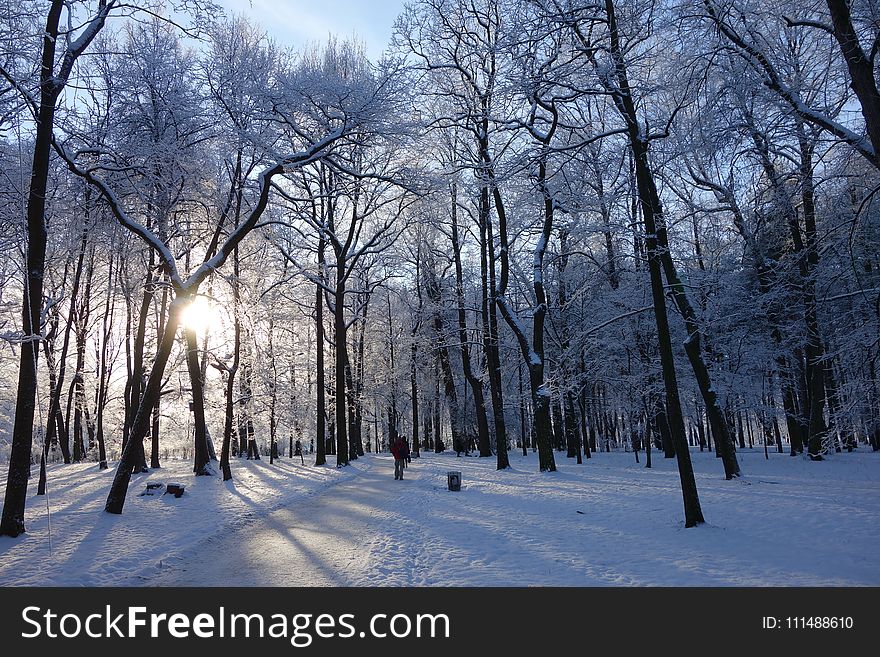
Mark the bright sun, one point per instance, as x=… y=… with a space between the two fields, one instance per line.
x=201 y=315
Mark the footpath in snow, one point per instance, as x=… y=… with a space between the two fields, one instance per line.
x=608 y=522
x=82 y=545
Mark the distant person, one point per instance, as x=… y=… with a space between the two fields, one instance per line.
x=298 y=451
x=400 y=452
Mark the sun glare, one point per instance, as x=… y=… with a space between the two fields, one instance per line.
x=201 y=315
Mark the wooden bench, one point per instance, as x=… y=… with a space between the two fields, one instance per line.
x=175 y=489
x=153 y=488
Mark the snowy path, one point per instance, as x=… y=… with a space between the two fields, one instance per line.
x=608 y=522
x=318 y=541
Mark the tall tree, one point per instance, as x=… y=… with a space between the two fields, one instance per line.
x=53 y=78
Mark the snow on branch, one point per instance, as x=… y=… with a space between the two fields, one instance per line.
x=758 y=61
x=316 y=152
x=78 y=46
x=116 y=207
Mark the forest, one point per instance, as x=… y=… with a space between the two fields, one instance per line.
x=532 y=226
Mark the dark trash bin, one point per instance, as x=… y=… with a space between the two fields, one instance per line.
x=453 y=480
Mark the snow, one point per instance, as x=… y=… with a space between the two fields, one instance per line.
x=93 y=548
x=608 y=522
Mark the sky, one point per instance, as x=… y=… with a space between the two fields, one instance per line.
x=297 y=22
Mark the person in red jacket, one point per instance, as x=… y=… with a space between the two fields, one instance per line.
x=400 y=451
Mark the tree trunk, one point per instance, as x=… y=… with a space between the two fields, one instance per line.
x=438 y=440
x=119 y=488
x=558 y=424
x=81 y=332
x=740 y=433
x=358 y=394
x=321 y=399
x=340 y=336
x=200 y=448
x=493 y=357
x=228 y=424
x=653 y=218
x=572 y=443
x=572 y=435
x=55 y=403
x=534 y=354
x=585 y=429
x=50 y=335
x=475 y=382
x=392 y=406
x=104 y=372
x=662 y=424
x=414 y=392
x=413 y=355
x=229 y=431
x=12 y=523
x=273 y=393
x=432 y=288
x=523 y=433
x=485 y=445
x=652 y=212
x=815 y=348
x=154 y=429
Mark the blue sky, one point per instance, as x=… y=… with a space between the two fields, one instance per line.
x=296 y=22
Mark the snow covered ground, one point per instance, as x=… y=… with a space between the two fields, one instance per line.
x=93 y=548
x=609 y=522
